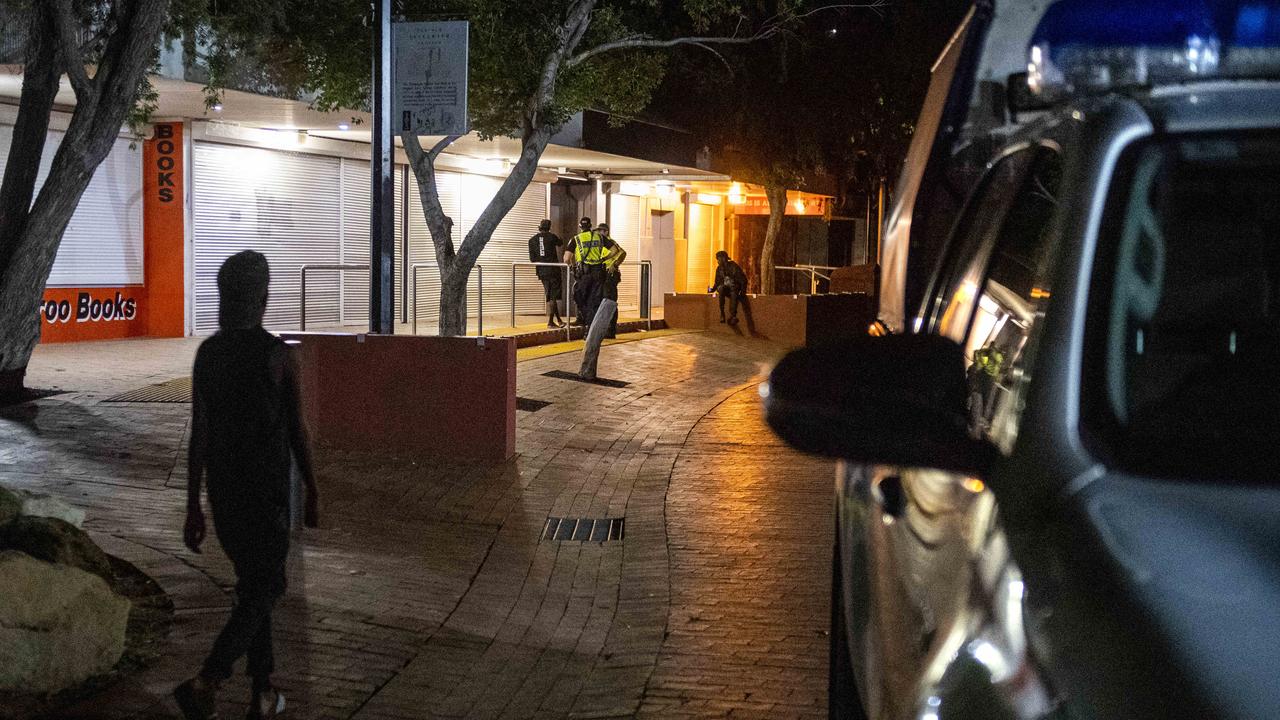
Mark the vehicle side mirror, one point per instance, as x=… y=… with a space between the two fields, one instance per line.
x=893 y=400
x=1020 y=98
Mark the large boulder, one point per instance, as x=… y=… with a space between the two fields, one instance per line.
x=58 y=625
x=55 y=541
x=10 y=506
x=42 y=505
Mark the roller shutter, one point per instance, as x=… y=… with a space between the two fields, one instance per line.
x=102 y=245
x=509 y=244
x=627 y=226
x=286 y=206
x=356 y=189
x=356 y=182
x=702 y=223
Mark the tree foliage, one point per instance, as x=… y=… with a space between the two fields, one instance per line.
x=532 y=67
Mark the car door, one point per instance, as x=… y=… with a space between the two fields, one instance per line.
x=940 y=568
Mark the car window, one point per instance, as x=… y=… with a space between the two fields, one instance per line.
x=1184 y=322
x=972 y=239
x=1013 y=278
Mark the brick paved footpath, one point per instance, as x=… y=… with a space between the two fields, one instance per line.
x=427 y=592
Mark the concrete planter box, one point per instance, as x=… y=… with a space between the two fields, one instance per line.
x=794 y=320
x=412 y=395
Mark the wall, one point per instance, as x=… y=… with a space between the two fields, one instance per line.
x=117 y=235
x=410 y=395
x=792 y=320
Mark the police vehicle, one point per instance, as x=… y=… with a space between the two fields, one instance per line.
x=1059 y=487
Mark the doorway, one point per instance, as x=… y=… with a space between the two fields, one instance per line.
x=663 y=253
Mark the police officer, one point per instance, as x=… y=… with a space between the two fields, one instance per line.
x=594 y=257
x=613 y=277
x=584 y=234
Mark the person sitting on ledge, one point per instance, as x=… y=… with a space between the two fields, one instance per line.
x=730 y=283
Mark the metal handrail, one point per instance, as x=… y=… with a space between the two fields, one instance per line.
x=813 y=281
x=646 y=299
x=302 y=300
x=413 y=271
x=568 y=281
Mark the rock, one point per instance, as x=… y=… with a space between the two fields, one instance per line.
x=58 y=625
x=10 y=506
x=41 y=505
x=55 y=541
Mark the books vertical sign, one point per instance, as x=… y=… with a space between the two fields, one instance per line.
x=429 y=94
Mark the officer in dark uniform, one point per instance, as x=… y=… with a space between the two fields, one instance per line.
x=613 y=278
x=594 y=257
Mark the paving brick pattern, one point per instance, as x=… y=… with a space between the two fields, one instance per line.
x=428 y=591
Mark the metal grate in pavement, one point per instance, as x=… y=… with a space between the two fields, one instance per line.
x=172 y=391
x=530 y=405
x=584 y=529
x=565 y=375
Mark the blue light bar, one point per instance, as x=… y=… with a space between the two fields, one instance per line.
x=1097 y=45
x=1094 y=45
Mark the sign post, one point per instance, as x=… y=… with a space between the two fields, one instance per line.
x=431 y=78
x=382 y=205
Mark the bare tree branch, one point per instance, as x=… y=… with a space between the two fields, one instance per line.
x=441 y=144
x=64 y=21
x=673 y=42
x=775 y=25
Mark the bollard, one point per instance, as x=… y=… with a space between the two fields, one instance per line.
x=595 y=335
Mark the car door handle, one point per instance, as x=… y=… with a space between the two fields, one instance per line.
x=893 y=497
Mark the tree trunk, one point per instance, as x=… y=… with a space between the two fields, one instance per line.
x=455 y=268
x=453 y=301
x=777 y=196
x=101 y=105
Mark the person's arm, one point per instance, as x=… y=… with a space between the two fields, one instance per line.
x=193 y=530
x=298 y=440
x=533 y=249
x=568 y=251
x=616 y=256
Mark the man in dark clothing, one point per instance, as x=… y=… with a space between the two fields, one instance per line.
x=245 y=429
x=731 y=283
x=545 y=248
x=594 y=257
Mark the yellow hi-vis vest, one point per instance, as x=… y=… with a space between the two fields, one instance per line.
x=589 y=249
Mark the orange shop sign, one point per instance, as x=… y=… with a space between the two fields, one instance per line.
x=91 y=313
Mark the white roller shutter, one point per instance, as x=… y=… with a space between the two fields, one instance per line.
x=627 y=227
x=356 y=182
x=509 y=244
x=702 y=223
x=356 y=191
x=285 y=205
x=102 y=245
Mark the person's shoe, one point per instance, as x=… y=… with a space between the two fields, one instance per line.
x=722 y=319
x=266 y=705
x=197 y=699
x=733 y=320
x=552 y=325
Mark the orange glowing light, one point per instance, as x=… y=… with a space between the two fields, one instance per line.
x=974 y=485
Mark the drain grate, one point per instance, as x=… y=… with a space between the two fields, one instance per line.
x=584 y=529
x=530 y=405
x=565 y=375
x=172 y=391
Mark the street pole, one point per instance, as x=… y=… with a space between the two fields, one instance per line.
x=382 y=220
